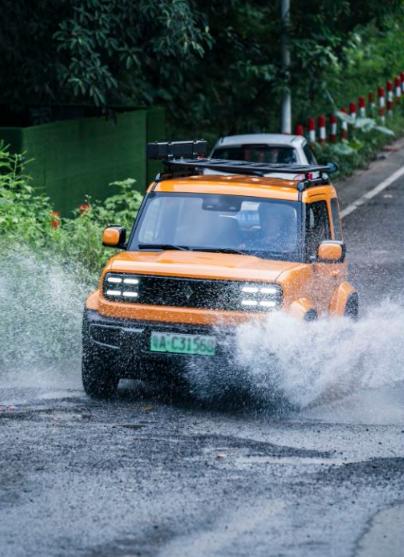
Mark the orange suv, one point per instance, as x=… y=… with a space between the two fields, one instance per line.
x=206 y=253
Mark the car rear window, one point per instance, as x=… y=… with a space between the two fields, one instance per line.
x=272 y=154
x=311 y=159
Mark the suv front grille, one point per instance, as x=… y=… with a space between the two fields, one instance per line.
x=181 y=292
x=210 y=294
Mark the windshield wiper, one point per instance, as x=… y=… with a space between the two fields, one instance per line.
x=221 y=250
x=163 y=246
x=187 y=248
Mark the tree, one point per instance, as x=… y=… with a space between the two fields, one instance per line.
x=215 y=66
x=96 y=52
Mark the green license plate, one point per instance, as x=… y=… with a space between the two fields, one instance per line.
x=197 y=345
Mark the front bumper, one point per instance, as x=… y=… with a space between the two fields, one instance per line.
x=124 y=344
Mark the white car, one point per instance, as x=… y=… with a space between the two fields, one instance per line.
x=272 y=148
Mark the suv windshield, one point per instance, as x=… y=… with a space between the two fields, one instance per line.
x=267 y=228
x=272 y=154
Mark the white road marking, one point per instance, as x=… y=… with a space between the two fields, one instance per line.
x=372 y=193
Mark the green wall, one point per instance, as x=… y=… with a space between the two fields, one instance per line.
x=74 y=158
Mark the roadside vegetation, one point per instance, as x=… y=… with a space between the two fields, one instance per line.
x=216 y=69
x=215 y=66
x=365 y=142
x=29 y=223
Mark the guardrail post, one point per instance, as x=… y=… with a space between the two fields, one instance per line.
x=344 y=125
x=321 y=128
x=333 y=128
x=362 y=107
x=312 y=130
x=352 y=110
x=397 y=88
x=382 y=104
x=390 y=98
x=299 y=129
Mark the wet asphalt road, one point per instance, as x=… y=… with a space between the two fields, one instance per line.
x=146 y=477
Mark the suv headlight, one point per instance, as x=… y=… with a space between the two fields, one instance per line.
x=121 y=287
x=260 y=297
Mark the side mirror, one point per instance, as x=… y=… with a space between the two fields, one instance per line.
x=331 y=251
x=332 y=167
x=114 y=237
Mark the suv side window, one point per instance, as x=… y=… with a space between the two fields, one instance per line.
x=309 y=154
x=317 y=226
x=336 y=219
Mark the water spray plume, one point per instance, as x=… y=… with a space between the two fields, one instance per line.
x=284 y=363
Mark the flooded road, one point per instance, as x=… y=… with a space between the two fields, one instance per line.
x=141 y=476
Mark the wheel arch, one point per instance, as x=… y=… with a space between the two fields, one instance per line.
x=303 y=308
x=343 y=297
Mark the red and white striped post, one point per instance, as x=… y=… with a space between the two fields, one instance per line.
x=352 y=110
x=344 y=125
x=333 y=128
x=321 y=128
x=397 y=88
x=382 y=103
x=362 y=107
x=390 y=97
x=312 y=130
x=299 y=129
x=371 y=103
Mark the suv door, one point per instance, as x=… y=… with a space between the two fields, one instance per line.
x=326 y=276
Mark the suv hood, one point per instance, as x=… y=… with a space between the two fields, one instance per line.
x=200 y=265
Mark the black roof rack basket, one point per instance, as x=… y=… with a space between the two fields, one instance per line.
x=188 y=157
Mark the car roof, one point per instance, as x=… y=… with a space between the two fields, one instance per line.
x=250 y=186
x=257 y=138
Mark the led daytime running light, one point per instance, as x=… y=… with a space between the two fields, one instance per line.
x=121 y=287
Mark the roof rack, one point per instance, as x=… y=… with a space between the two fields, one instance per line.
x=166 y=150
x=168 y=153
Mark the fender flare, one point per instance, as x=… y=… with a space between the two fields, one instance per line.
x=303 y=308
x=344 y=301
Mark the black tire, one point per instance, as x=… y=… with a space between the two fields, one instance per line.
x=352 y=307
x=311 y=315
x=98 y=379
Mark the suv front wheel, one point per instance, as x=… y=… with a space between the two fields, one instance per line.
x=352 y=307
x=98 y=380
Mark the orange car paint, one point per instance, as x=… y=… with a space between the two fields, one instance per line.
x=321 y=287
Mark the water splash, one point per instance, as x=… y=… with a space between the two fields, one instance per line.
x=280 y=362
x=41 y=304
x=291 y=364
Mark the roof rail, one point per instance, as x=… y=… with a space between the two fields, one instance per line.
x=171 y=155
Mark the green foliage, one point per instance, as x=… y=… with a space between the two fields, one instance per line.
x=365 y=125
x=97 y=52
x=372 y=55
x=237 y=86
x=26 y=218
x=216 y=66
x=25 y=215
x=79 y=238
x=331 y=41
x=363 y=145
